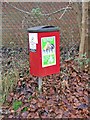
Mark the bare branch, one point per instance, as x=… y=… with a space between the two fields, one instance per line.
x=69 y=8
x=19 y=9
x=65 y=9
x=26 y=12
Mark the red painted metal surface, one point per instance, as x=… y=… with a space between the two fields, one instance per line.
x=35 y=58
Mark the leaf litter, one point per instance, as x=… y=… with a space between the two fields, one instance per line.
x=64 y=95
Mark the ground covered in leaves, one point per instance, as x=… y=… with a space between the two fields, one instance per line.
x=64 y=95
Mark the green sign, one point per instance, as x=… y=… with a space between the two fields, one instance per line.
x=48 y=47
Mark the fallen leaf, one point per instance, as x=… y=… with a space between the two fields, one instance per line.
x=74 y=74
x=59 y=115
x=24 y=114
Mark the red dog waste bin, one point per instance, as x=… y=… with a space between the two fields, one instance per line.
x=44 y=55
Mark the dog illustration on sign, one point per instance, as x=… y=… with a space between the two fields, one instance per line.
x=48 y=47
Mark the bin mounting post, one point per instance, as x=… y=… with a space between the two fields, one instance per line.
x=40 y=84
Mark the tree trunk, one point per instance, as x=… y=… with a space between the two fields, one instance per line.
x=84 y=33
x=0 y=59
x=89 y=34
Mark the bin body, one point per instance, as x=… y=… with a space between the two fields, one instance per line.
x=44 y=46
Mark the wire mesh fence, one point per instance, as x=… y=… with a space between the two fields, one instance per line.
x=18 y=16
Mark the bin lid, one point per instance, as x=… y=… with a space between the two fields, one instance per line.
x=43 y=29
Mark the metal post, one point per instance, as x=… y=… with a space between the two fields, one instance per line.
x=40 y=84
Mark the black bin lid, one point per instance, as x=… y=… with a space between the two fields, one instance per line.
x=43 y=29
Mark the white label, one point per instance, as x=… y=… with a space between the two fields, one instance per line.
x=33 y=37
x=33 y=40
x=33 y=46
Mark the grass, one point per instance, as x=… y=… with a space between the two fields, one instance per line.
x=9 y=81
x=20 y=68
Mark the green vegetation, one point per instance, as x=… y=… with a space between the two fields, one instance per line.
x=83 y=60
x=25 y=109
x=9 y=81
x=17 y=104
x=36 y=11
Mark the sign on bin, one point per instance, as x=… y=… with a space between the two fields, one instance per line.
x=44 y=51
x=33 y=40
x=48 y=48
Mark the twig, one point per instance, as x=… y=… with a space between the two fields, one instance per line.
x=18 y=9
x=26 y=12
x=65 y=9
x=56 y=11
